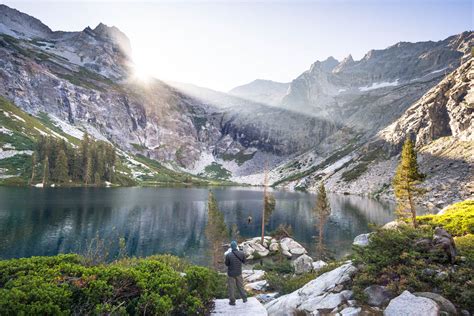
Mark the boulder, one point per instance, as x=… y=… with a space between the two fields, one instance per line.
x=253 y=275
x=444 y=304
x=377 y=295
x=362 y=240
x=324 y=303
x=393 y=225
x=261 y=250
x=444 y=242
x=351 y=311
x=286 y=253
x=302 y=264
x=407 y=304
x=274 y=247
x=317 y=265
x=266 y=297
x=247 y=249
x=289 y=245
x=321 y=286
x=256 y=286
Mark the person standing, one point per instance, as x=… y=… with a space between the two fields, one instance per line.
x=234 y=260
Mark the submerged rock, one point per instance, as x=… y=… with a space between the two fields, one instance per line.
x=407 y=304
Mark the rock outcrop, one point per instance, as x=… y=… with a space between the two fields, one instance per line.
x=252 y=308
x=316 y=295
x=407 y=304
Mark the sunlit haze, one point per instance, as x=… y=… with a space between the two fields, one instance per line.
x=221 y=45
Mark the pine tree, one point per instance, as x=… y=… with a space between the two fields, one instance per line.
x=216 y=230
x=33 y=167
x=406 y=181
x=234 y=232
x=321 y=210
x=61 y=173
x=268 y=205
x=88 y=169
x=45 y=171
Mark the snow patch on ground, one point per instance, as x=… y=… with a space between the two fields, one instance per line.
x=377 y=85
x=13 y=116
x=41 y=132
x=10 y=153
x=6 y=131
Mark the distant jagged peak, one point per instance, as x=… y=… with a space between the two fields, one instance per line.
x=21 y=25
x=345 y=62
x=115 y=35
x=325 y=65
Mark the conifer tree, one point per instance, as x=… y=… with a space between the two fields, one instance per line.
x=88 y=169
x=216 y=231
x=268 y=205
x=33 y=167
x=45 y=171
x=406 y=182
x=61 y=168
x=321 y=210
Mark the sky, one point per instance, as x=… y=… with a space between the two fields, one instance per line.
x=223 y=44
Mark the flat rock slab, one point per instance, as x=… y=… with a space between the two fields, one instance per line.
x=252 y=308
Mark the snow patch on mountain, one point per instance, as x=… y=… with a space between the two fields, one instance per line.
x=378 y=85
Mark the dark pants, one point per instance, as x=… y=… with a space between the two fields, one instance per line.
x=232 y=282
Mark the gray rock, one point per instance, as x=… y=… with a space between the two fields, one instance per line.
x=322 y=303
x=407 y=304
x=256 y=286
x=274 y=247
x=377 y=295
x=312 y=291
x=362 y=240
x=252 y=308
x=266 y=297
x=303 y=264
x=444 y=304
x=443 y=241
x=351 y=311
x=317 y=265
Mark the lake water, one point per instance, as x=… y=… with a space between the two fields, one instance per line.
x=166 y=220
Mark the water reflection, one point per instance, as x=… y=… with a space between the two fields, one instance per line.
x=166 y=220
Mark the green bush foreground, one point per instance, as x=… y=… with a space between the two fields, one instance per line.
x=394 y=260
x=63 y=285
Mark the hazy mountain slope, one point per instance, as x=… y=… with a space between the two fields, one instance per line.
x=371 y=93
x=262 y=91
x=441 y=123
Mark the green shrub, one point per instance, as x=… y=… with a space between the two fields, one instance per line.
x=458 y=218
x=285 y=284
x=63 y=285
x=392 y=259
x=465 y=246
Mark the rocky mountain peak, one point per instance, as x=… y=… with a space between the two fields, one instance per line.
x=21 y=25
x=345 y=62
x=325 y=65
x=113 y=34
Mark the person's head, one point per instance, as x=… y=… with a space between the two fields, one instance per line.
x=233 y=245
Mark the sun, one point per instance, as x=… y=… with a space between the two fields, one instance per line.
x=139 y=73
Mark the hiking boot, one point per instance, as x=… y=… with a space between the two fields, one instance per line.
x=232 y=303
x=245 y=300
